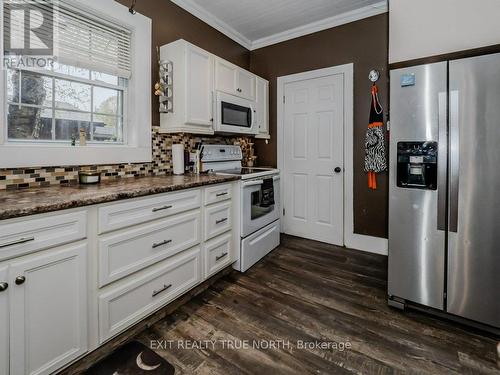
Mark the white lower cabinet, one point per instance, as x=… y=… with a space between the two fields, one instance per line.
x=127 y=304
x=47 y=310
x=4 y=321
x=218 y=219
x=125 y=252
x=219 y=253
x=130 y=258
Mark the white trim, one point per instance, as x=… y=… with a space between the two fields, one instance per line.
x=351 y=240
x=138 y=116
x=327 y=23
x=207 y=17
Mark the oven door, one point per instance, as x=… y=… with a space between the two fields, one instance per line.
x=234 y=115
x=255 y=215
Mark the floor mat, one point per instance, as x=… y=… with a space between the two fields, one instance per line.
x=132 y=358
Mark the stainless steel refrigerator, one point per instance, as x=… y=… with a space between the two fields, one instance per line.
x=444 y=198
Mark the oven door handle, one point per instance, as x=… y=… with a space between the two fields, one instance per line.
x=253 y=183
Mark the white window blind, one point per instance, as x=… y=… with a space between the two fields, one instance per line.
x=80 y=39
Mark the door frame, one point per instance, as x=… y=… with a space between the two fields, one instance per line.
x=351 y=239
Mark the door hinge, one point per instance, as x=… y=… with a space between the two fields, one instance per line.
x=283 y=212
x=284 y=100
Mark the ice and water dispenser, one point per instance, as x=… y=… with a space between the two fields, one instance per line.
x=417 y=165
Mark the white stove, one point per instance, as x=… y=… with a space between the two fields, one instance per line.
x=259 y=208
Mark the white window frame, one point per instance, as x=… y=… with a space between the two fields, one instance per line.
x=137 y=119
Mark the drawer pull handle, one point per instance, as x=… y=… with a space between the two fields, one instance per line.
x=221 y=256
x=156 y=209
x=165 y=287
x=221 y=221
x=166 y=242
x=17 y=242
x=20 y=280
x=221 y=194
x=4 y=287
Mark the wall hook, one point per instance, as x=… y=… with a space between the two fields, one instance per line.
x=374 y=75
x=132 y=6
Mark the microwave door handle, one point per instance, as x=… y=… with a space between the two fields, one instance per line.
x=250 y=117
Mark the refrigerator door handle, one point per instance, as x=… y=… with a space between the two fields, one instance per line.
x=442 y=159
x=454 y=161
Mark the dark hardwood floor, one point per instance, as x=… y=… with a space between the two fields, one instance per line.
x=312 y=292
x=306 y=292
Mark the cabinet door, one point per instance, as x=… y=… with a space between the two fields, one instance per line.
x=48 y=310
x=226 y=76
x=246 y=84
x=4 y=322
x=263 y=106
x=199 y=86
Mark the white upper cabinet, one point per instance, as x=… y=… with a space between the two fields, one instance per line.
x=226 y=76
x=197 y=75
x=192 y=89
x=262 y=107
x=246 y=84
x=233 y=80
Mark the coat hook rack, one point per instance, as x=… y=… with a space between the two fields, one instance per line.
x=132 y=6
x=374 y=75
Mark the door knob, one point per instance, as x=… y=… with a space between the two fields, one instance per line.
x=3 y=287
x=20 y=280
x=338 y=170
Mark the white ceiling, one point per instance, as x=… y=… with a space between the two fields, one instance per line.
x=258 y=23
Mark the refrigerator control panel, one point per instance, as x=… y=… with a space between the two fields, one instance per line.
x=417 y=165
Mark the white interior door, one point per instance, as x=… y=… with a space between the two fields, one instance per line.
x=313 y=158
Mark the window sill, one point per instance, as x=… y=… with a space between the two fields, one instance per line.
x=19 y=156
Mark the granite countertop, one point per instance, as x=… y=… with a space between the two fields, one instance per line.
x=17 y=203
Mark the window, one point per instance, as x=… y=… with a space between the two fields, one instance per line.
x=57 y=104
x=100 y=83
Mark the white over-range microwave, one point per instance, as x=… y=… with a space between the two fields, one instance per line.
x=234 y=115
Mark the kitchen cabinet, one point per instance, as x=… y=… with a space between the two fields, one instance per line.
x=124 y=305
x=47 y=309
x=262 y=107
x=246 y=84
x=4 y=322
x=192 y=89
x=106 y=268
x=231 y=79
x=196 y=77
x=226 y=76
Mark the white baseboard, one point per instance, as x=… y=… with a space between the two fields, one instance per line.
x=369 y=244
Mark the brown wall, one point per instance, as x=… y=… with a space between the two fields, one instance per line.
x=364 y=43
x=170 y=22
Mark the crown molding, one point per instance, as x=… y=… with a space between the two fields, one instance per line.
x=340 y=19
x=207 y=17
x=327 y=23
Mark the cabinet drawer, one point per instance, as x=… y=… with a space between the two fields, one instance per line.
x=121 y=215
x=127 y=304
x=34 y=234
x=127 y=252
x=218 y=254
x=218 y=193
x=218 y=219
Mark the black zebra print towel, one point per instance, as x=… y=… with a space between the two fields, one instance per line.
x=375 y=150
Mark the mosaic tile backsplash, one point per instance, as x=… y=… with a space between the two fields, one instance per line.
x=23 y=178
